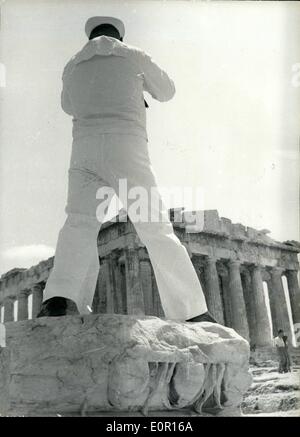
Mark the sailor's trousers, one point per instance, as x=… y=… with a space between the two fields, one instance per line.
x=98 y=161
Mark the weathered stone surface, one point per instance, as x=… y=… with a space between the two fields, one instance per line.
x=272 y=393
x=4 y=379
x=102 y=363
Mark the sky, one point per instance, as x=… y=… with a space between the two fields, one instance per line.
x=232 y=128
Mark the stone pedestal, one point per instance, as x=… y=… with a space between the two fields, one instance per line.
x=238 y=308
x=103 y=363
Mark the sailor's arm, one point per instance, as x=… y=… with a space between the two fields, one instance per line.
x=65 y=102
x=65 y=99
x=156 y=80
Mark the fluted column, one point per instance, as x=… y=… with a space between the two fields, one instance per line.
x=8 y=309
x=37 y=298
x=212 y=290
x=262 y=325
x=101 y=289
x=249 y=303
x=134 y=292
x=146 y=279
x=157 y=306
x=294 y=293
x=238 y=307
x=279 y=306
x=23 y=305
x=120 y=298
x=107 y=270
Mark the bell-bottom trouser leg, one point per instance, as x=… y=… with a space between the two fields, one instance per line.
x=114 y=158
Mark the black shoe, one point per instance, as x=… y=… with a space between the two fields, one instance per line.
x=205 y=317
x=54 y=307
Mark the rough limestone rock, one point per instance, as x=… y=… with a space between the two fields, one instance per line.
x=110 y=362
x=273 y=393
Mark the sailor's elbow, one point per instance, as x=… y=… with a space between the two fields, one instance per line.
x=66 y=107
x=168 y=93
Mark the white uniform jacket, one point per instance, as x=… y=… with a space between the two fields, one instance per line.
x=103 y=87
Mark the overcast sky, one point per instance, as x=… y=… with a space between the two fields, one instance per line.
x=232 y=128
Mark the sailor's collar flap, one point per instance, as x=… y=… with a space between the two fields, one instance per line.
x=104 y=46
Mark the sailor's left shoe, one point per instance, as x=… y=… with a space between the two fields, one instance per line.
x=205 y=317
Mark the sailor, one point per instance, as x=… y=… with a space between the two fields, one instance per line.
x=103 y=86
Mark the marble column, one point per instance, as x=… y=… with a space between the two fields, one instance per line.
x=212 y=290
x=157 y=306
x=146 y=279
x=279 y=305
x=2 y=312
x=23 y=305
x=37 y=298
x=134 y=292
x=225 y=294
x=107 y=270
x=101 y=289
x=249 y=304
x=8 y=309
x=272 y=307
x=294 y=293
x=262 y=325
x=238 y=307
x=119 y=298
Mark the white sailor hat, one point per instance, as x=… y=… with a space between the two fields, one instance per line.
x=96 y=21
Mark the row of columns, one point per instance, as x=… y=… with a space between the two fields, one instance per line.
x=37 y=298
x=139 y=294
x=133 y=291
x=261 y=330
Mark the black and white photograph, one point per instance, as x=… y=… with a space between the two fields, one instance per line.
x=149 y=211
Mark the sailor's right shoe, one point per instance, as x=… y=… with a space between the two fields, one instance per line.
x=54 y=307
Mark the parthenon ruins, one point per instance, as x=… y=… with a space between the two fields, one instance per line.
x=232 y=261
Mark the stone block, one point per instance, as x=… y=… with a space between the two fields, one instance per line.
x=90 y=364
x=239 y=231
x=226 y=225
x=211 y=221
